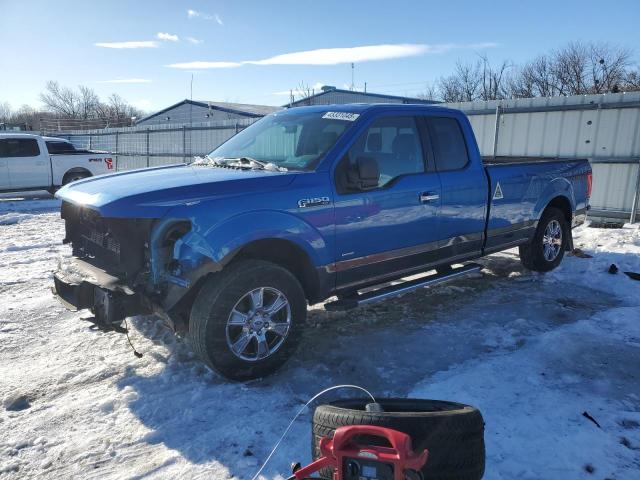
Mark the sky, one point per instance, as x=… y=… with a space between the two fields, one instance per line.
x=257 y=51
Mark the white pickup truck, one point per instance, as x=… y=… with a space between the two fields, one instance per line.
x=33 y=162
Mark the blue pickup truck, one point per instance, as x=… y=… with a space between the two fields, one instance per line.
x=306 y=204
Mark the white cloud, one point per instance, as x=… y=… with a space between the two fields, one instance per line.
x=205 y=16
x=203 y=65
x=335 y=56
x=142 y=44
x=193 y=40
x=126 y=80
x=167 y=36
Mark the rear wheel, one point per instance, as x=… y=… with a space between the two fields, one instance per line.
x=452 y=432
x=246 y=321
x=546 y=250
x=73 y=176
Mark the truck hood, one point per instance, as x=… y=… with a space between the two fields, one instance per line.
x=151 y=192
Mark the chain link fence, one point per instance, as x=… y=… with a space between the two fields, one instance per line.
x=139 y=147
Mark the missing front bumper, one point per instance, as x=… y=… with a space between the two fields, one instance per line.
x=100 y=293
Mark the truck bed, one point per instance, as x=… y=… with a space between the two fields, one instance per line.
x=508 y=160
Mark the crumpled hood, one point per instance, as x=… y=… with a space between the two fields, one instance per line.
x=150 y=193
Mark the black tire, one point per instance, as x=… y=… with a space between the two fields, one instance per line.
x=532 y=254
x=73 y=176
x=453 y=433
x=220 y=295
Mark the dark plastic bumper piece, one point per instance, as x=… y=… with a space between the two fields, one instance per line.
x=109 y=306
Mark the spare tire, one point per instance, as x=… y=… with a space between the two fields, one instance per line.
x=452 y=432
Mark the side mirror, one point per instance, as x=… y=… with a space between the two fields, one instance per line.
x=364 y=175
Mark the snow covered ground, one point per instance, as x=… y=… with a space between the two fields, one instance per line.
x=533 y=352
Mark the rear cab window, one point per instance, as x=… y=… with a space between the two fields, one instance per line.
x=19 y=147
x=449 y=145
x=59 y=147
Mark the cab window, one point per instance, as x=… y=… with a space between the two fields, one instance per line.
x=449 y=146
x=19 y=147
x=394 y=143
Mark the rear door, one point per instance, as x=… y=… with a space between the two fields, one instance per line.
x=392 y=228
x=464 y=188
x=28 y=165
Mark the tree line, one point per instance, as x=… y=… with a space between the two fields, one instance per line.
x=72 y=108
x=577 y=68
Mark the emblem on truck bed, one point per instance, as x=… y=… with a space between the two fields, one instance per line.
x=497 y=195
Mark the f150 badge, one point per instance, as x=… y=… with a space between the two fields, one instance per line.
x=313 y=202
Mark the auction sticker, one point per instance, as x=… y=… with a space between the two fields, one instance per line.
x=348 y=116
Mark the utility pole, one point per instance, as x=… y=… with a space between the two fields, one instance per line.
x=365 y=87
x=352 y=76
x=191 y=104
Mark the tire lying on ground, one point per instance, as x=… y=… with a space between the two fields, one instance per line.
x=452 y=432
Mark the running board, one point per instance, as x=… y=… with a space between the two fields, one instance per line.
x=358 y=300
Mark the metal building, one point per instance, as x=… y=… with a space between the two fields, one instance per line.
x=332 y=95
x=188 y=112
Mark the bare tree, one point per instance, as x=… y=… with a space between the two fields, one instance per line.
x=87 y=101
x=493 y=84
x=5 y=112
x=61 y=100
x=431 y=92
x=631 y=81
x=608 y=67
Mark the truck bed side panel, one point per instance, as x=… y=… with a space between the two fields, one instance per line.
x=520 y=192
x=95 y=163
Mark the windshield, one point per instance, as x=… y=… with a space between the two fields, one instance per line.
x=291 y=141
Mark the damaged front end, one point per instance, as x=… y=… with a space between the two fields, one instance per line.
x=123 y=267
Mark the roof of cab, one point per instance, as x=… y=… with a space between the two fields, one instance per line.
x=367 y=107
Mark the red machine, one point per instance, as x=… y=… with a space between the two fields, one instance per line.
x=356 y=462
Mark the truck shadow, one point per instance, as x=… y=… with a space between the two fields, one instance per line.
x=387 y=348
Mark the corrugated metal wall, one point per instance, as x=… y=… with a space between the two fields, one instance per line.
x=603 y=128
x=144 y=146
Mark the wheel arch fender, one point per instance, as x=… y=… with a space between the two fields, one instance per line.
x=559 y=194
x=253 y=232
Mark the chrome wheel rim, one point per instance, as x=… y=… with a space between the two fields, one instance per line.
x=552 y=240
x=258 y=324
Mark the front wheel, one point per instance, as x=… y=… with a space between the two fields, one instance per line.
x=246 y=321
x=546 y=250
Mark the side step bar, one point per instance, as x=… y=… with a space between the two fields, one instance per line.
x=358 y=300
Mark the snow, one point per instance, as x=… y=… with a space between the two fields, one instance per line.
x=532 y=351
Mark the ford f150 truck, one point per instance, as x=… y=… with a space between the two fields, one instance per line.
x=32 y=162
x=307 y=204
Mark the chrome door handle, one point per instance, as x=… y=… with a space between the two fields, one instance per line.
x=428 y=197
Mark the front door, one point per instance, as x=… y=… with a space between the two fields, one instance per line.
x=394 y=227
x=28 y=166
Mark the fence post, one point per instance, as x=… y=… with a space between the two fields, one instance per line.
x=184 y=143
x=496 y=131
x=116 y=152
x=147 y=147
x=236 y=126
x=636 y=197
x=89 y=141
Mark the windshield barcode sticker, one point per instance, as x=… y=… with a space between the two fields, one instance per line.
x=349 y=117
